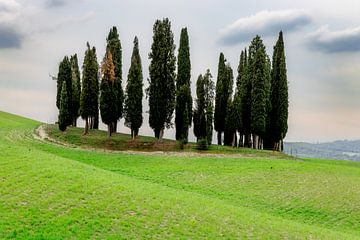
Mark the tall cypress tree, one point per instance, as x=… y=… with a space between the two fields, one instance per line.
x=230 y=113
x=209 y=88
x=238 y=99
x=219 y=116
x=204 y=107
x=134 y=93
x=96 y=90
x=114 y=46
x=76 y=88
x=258 y=73
x=161 y=89
x=245 y=100
x=183 y=90
x=224 y=88
x=279 y=95
x=64 y=75
x=199 y=111
x=64 y=113
x=89 y=103
x=108 y=104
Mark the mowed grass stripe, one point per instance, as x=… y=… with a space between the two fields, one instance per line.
x=307 y=191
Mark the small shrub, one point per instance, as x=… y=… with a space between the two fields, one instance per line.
x=182 y=144
x=202 y=144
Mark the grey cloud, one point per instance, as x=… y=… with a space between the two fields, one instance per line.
x=10 y=37
x=55 y=3
x=335 y=41
x=264 y=23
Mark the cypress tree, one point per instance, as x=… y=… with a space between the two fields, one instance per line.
x=224 y=88
x=89 y=103
x=76 y=88
x=219 y=116
x=161 y=89
x=279 y=95
x=65 y=116
x=183 y=91
x=64 y=75
x=245 y=101
x=134 y=93
x=229 y=121
x=96 y=89
x=108 y=97
x=267 y=139
x=199 y=111
x=114 y=46
x=209 y=88
x=238 y=99
x=204 y=108
x=258 y=73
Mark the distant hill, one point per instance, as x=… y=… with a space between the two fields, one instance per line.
x=342 y=150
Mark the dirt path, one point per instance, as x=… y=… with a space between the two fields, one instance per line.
x=41 y=134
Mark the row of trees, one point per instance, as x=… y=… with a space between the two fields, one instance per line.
x=255 y=115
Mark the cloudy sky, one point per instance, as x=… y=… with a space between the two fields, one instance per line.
x=322 y=41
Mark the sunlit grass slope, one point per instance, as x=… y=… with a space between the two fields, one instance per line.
x=53 y=192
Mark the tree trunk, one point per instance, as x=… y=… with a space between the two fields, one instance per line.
x=91 y=123
x=157 y=133
x=86 y=130
x=255 y=141
x=74 y=122
x=136 y=133
x=109 y=130
x=219 y=138
x=240 y=140
x=234 y=140
x=114 y=126
x=161 y=134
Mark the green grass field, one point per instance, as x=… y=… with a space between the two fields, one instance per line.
x=49 y=191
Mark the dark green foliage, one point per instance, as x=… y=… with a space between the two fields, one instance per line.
x=108 y=106
x=258 y=74
x=89 y=98
x=219 y=115
x=230 y=124
x=76 y=88
x=107 y=102
x=279 y=94
x=161 y=89
x=134 y=93
x=239 y=91
x=202 y=144
x=204 y=110
x=244 y=93
x=183 y=90
x=114 y=46
x=199 y=111
x=209 y=95
x=65 y=117
x=224 y=88
x=64 y=75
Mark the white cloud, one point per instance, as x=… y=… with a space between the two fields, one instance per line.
x=346 y=40
x=264 y=23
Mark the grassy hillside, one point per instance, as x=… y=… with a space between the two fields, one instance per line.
x=98 y=139
x=53 y=192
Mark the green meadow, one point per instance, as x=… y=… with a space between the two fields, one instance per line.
x=76 y=191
